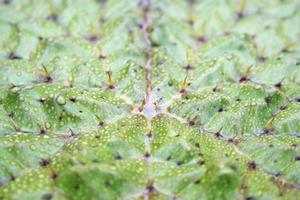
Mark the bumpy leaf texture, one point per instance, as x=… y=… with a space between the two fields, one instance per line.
x=151 y=99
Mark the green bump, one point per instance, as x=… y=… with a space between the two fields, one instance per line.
x=47 y=125
x=61 y=100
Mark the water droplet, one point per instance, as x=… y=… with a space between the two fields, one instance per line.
x=15 y=89
x=47 y=125
x=33 y=147
x=61 y=100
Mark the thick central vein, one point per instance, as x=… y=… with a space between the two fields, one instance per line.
x=149 y=109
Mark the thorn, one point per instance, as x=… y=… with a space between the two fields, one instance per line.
x=252 y=165
x=47 y=196
x=10 y=114
x=184 y=85
x=218 y=134
x=201 y=39
x=279 y=84
x=283 y=184
x=92 y=38
x=147 y=155
x=6 y=2
x=191 y=123
x=244 y=186
x=42 y=100
x=294 y=145
x=12 y=178
x=287 y=48
x=17 y=129
x=118 y=157
x=97 y=136
x=268 y=131
x=267 y=100
x=240 y=13
x=110 y=82
x=54 y=176
x=142 y=106
x=215 y=89
x=100 y=121
x=42 y=131
x=72 y=134
x=188 y=68
x=243 y=79
x=179 y=163
x=149 y=134
x=101 y=57
x=13 y=56
x=283 y=107
x=190 y=22
x=44 y=162
x=261 y=59
x=234 y=140
x=197 y=181
x=73 y=99
x=102 y=2
x=201 y=162
x=52 y=17
x=284 y=50
x=48 y=78
x=150 y=188
x=107 y=184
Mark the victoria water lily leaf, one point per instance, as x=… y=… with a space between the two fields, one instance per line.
x=277 y=70
x=149 y=99
x=21 y=152
x=276 y=155
x=233 y=110
x=51 y=107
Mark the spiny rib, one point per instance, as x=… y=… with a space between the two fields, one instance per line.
x=149 y=108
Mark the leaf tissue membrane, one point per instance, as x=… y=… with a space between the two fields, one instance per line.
x=150 y=99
